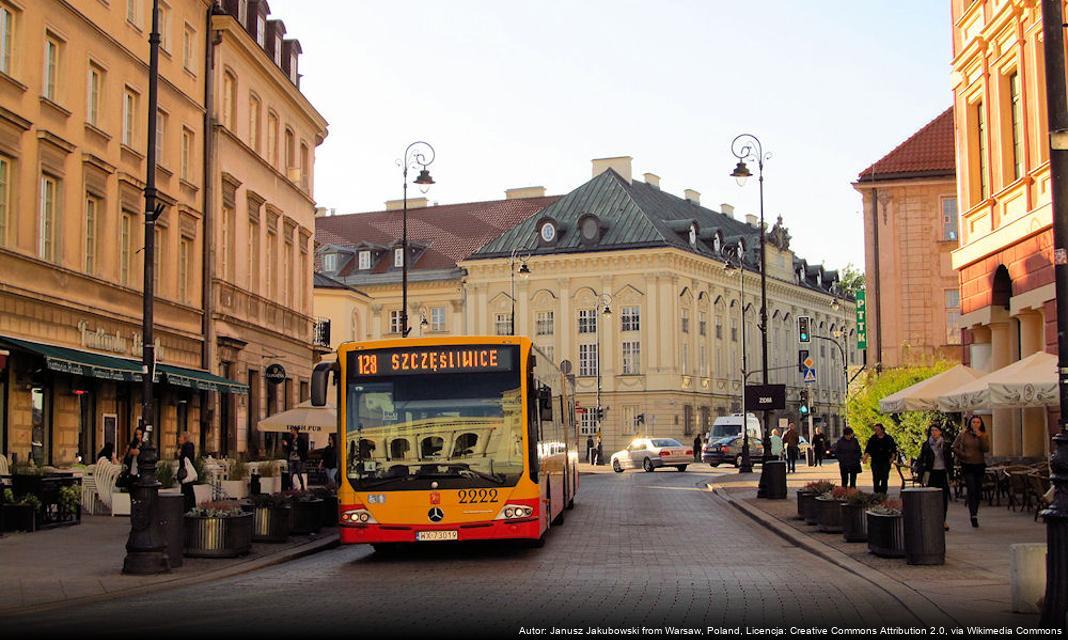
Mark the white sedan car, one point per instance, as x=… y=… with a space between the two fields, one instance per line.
x=650 y=453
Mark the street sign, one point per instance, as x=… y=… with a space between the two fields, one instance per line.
x=765 y=397
x=862 y=319
x=810 y=375
x=809 y=363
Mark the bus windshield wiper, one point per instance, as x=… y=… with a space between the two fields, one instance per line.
x=462 y=468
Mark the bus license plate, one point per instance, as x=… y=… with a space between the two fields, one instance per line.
x=433 y=536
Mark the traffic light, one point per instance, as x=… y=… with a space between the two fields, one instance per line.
x=802 y=355
x=803 y=408
x=803 y=334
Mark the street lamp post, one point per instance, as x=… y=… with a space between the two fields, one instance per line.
x=734 y=250
x=145 y=553
x=748 y=147
x=415 y=157
x=603 y=308
x=524 y=271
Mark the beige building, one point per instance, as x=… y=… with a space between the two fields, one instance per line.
x=910 y=230
x=1006 y=239
x=669 y=355
x=73 y=120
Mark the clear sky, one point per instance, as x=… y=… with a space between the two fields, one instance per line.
x=515 y=94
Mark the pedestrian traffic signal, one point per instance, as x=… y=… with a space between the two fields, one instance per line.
x=803 y=408
x=802 y=355
x=803 y=334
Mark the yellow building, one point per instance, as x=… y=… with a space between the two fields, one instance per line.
x=1003 y=182
x=73 y=127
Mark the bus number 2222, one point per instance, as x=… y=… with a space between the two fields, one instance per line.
x=473 y=496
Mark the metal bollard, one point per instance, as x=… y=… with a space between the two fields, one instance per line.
x=172 y=526
x=925 y=537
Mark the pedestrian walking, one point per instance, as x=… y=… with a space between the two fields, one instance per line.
x=847 y=450
x=296 y=451
x=792 y=443
x=187 y=471
x=599 y=450
x=589 y=449
x=971 y=447
x=880 y=451
x=697 y=448
x=935 y=466
x=819 y=446
x=776 y=444
x=328 y=463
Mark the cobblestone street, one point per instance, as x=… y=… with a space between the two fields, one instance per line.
x=639 y=549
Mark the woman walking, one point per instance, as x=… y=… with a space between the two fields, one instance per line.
x=970 y=447
x=936 y=466
x=847 y=450
x=187 y=472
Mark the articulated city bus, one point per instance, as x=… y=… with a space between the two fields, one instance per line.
x=452 y=438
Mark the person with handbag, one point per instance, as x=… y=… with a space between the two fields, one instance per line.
x=296 y=450
x=935 y=465
x=970 y=447
x=129 y=474
x=187 y=471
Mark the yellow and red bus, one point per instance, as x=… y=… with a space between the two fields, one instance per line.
x=450 y=438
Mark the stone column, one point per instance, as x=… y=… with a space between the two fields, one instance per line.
x=1035 y=436
x=1003 y=422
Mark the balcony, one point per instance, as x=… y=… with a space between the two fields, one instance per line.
x=321 y=333
x=248 y=307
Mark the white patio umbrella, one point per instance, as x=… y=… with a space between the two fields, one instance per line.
x=923 y=396
x=1031 y=382
x=317 y=422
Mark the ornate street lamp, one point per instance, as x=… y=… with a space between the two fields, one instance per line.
x=524 y=272
x=735 y=251
x=604 y=308
x=419 y=155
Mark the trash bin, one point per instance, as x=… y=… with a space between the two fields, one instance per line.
x=774 y=476
x=925 y=535
x=172 y=526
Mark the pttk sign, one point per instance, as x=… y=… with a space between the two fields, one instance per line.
x=862 y=320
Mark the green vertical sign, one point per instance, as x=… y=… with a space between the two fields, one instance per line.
x=862 y=320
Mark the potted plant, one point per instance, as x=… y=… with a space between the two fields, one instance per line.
x=854 y=520
x=817 y=488
x=829 y=510
x=268 y=472
x=236 y=487
x=272 y=511
x=886 y=533
x=20 y=514
x=306 y=512
x=165 y=475
x=329 y=505
x=219 y=529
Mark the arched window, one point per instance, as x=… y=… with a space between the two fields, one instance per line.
x=399 y=448
x=367 y=448
x=431 y=446
x=465 y=445
x=229 y=100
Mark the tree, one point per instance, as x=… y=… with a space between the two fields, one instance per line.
x=850 y=280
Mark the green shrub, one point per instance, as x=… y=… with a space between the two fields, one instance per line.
x=165 y=474
x=238 y=469
x=198 y=465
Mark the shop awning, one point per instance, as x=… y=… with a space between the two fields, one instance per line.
x=199 y=380
x=923 y=396
x=82 y=363
x=317 y=422
x=1031 y=382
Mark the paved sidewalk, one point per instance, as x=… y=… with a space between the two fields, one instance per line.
x=83 y=563
x=972 y=586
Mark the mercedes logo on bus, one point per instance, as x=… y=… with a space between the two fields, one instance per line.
x=435 y=514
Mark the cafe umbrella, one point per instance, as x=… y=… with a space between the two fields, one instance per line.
x=317 y=422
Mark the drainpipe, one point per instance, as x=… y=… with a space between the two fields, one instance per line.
x=207 y=326
x=878 y=280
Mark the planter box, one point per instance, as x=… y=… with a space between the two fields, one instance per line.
x=236 y=489
x=307 y=516
x=19 y=517
x=886 y=535
x=271 y=523
x=47 y=488
x=829 y=515
x=811 y=514
x=218 y=537
x=804 y=501
x=854 y=523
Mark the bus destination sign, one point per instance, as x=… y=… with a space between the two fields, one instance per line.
x=431 y=360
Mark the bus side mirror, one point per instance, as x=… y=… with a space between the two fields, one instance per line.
x=320 y=380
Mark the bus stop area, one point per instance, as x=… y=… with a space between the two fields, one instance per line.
x=69 y=565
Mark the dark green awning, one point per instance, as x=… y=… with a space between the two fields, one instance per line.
x=199 y=380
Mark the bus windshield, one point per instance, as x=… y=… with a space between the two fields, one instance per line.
x=434 y=430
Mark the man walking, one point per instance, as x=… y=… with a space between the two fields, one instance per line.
x=880 y=451
x=792 y=443
x=589 y=449
x=819 y=446
x=697 y=448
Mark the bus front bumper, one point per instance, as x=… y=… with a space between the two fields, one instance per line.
x=526 y=529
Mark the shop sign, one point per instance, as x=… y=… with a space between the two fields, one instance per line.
x=275 y=373
x=114 y=342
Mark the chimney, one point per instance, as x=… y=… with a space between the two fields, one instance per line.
x=751 y=220
x=727 y=209
x=693 y=196
x=524 y=192
x=621 y=165
x=652 y=179
x=333 y=211
x=413 y=203
x=320 y=212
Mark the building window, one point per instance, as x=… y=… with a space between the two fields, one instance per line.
x=129 y=117
x=330 y=262
x=188 y=54
x=272 y=262
x=5 y=196
x=261 y=30
x=226 y=239
x=125 y=238
x=365 y=260
x=92 y=211
x=287 y=273
x=291 y=151
x=588 y=359
x=254 y=122
x=684 y=358
x=95 y=84
x=437 y=318
x=544 y=322
x=272 y=139
x=503 y=324
x=630 y=419
x=587 y=423
x=229 y=100
x=632 y=357
x=684 y=317
x=395 y=321
x=630 y=319
x=253 y=253
x=1016 y=123
x=304 y=166
x=46 y=245
x=702 y=361
x=293 y=75
x=587 y=321
x=949 y=218
x=51 y=68
x=188 y=140
x=719 y=328
x=734 y=330
x=702 y=323
x=133 y=12
x=980 y=121
x=7 y=39
x=952 y=299
x=398 y=258
x=164 y=28
x=161 y=135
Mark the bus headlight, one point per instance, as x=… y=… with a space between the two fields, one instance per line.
x=358 y=516
x=514 y=511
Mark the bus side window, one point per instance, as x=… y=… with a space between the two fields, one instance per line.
x=533 y=427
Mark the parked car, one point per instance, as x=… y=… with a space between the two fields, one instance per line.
x=726 y=426
x=729 y=450
x=652 y=453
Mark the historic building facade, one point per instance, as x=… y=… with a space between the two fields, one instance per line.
x=1005 y=253
x=910 y=230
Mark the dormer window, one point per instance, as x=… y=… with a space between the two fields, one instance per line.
x=717 y=243
x=330 y=262
x=398 y=258
x=819 y=279
x=589 y=227
x=278 y=50
x=365 y=260
x=261 y=30
x=800 y=275
x=693 y=234
x=293 y=67
x=547 y=231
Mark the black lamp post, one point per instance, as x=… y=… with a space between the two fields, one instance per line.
x=748 y=147
x=604 y=308
x=418 y=155
x=736 y=252
x=145 y=553
x=524 y=272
